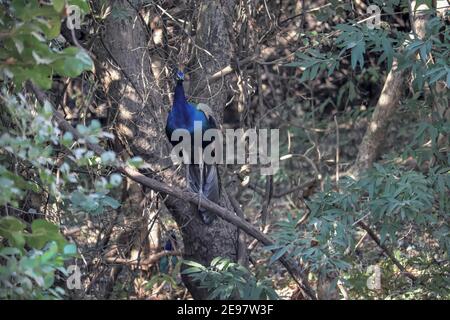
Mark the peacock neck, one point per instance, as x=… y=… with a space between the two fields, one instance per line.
x=179 y=97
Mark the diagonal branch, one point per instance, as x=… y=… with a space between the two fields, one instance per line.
x=386 y=250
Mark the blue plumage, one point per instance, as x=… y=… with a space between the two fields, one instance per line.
x=184 y=113
x=167 y=263
x=201 y=178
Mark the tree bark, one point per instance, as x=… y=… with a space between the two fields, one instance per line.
x=377 y=129
x=221 y=238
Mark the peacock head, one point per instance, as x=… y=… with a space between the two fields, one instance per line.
x=180 y=75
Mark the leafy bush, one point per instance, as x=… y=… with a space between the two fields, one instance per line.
x=27 y=27
x=388 y=197
x=357 y=40
x=31 y=144
x=228 y=280
x=31 y=259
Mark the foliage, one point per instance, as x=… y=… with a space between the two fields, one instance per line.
x=359 y=40
x=31 y=259
x=36 y=139
x=392 y=199
x=31 y=145
x=226 y=280
x=169 y=270
x=27 y=26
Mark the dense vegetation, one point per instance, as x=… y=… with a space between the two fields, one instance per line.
x=360 y=207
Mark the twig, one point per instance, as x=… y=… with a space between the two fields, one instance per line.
x=75 y=40
x=304 y=186
x=318 y=176
x=242 y=255
x=337 y=151
x=151 y=260
x=303 y=13
x=303 y=218
x=268 y=197
x=253 y=244
x=386 y=251
x=360 y=240
x=228 y=69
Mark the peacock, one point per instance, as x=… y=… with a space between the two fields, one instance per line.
x=167 y=263
x=201 y=178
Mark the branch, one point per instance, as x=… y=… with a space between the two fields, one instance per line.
x=187 y=196
x=375 y=135
x=267 y=198
x=242 y=255
x=228 y=69
x=147 y=262
x=386 y=251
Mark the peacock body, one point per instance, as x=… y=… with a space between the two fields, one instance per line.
x=201 y=178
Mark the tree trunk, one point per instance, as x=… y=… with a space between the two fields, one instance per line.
x=377 y=128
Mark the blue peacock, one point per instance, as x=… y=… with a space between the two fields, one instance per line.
x=167 y=263
x=201 y=178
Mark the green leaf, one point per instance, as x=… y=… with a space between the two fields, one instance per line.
x=215 y=261
x=12 y=229
x=9 y=251
x=113 y=203
x=95 y=125
x=448 y=78
x=50 y=253
x=11 y=224
x=59 y=4
x=73 y=62
x=108 y=157
x=136 y=162
x=428 y=3
x=43 y=232
x=82 y=4
x=44 y=225
x=17 y=239
x=67 y=139
x=193 y=264
x=77 y=198
x=437 y=75
x=357 y=55
x=191 y=270
x=41 y=75
x=48 y=279
x=115 y=179
x=70 y=249
x=278 y=254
